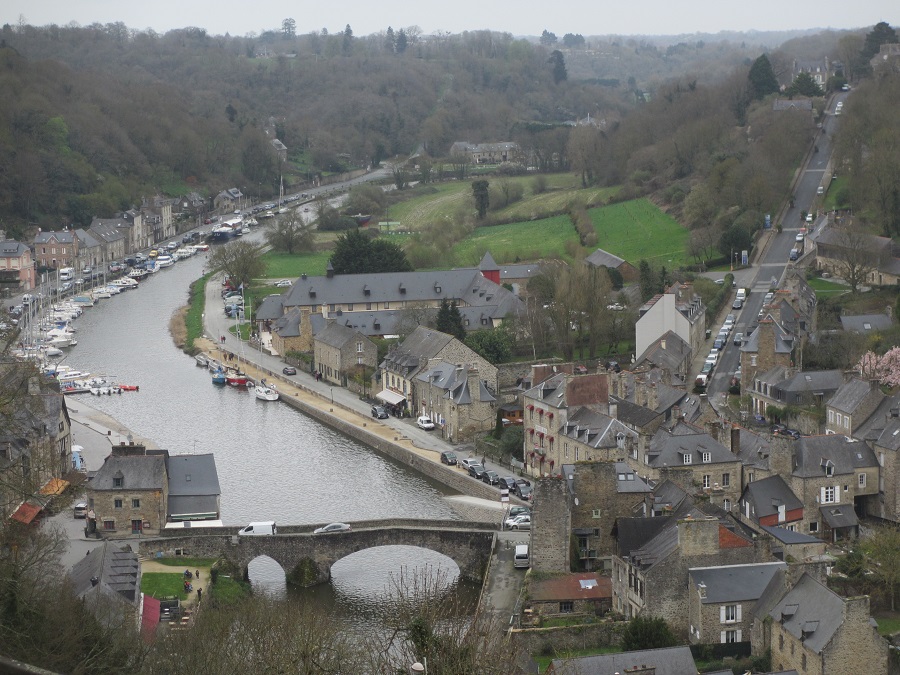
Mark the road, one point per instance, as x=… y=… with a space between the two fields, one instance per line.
x=768 y=273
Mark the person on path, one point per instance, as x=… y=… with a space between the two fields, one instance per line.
x=198 y=574
x=199 y=595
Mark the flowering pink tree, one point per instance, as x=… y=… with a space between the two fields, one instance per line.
x=885 y=369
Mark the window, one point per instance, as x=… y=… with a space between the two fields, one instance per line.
x=726 y=505
x=749 y=476
x=576 y=454
x=707 y=457
x=330 y=308
x=369 y=305
x=595 y=513
x=753 y=360
x=359 y=348
x=109 y=525
x=731 y=636
x=707 y=479
x=135 y=503
x=830 y=416
x=118 y=482
x=828 y=495
x=566 y=607
x=829 y=468
x=118 y=503
x=726 y=480
x=687 y=458
x=846 y=421
x=387 y=305
x=565 y=451
x=730 y=613
x=814 y=526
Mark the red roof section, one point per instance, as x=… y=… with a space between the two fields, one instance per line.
x=149 y=618
x=568 y=587
x=728 y=539
x=26 y=513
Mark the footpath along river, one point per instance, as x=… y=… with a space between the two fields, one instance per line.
x=274 y=463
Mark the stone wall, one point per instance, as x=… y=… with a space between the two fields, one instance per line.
x=569 y=638
x=152 y=510
x=551 y=526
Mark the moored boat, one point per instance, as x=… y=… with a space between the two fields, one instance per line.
x=201 y=360
x=218 y=377
x=235 y=378
x=265 y=392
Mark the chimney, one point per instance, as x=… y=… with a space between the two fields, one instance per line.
x=736 y=440
x=614 y=410
x=652 y=396
x=640 y=392
x=329 y=271
x=95 y=581
x=712 y=428
x=701 y=589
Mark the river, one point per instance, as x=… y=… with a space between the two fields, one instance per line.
x=274 y=463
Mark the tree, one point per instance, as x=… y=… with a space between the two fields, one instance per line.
x=347 y=40
x=855 y=257
x=573 y=41
x=402 y=41
x=762 y=78
x=390 y=41
x=241 y=260
x=482 y=196
x=585 y=150
x=885 y=368
x=412 y=316
x=647 y=633
x=449 y=320
x=805 y=85
x=291 y=234
x=881 y=34
x=357 y=253
x=401 y=176
x=548 y=38
x=494 y=344
x=558 y=66
x=288 y=28
x=328 y=219
x=883 y=549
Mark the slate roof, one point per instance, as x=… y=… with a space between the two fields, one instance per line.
x=838 y=516
x=866 y=323
x=12 y=249
x=140 y=472
x=192 y=475
x=115 y=568
x=636 y=415
x=628 y=481
x=816 y=381
x=594 y=428
x=87 y=240
x=519 y=271
x=468 y=286
x=766 y=495
x=551 y=392
x=810 y=612
x=288 y=325
x=270 y=309
x=63 y=237
x=668 y=449
x=669 y=357
x=455 y=383
x=336 y=335
x=601 y=258
x=667 y=661
x=784 y=341
x=734 y=583
x=890 y=436
x=413 y=353
x=754 y=448
x=883 y=416
x=848 y=397
x=634 y=533
x=669 y=494
x=786 y=536
x=811 y=453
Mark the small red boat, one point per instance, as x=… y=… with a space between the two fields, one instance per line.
x=237 y=379
x=129 y=387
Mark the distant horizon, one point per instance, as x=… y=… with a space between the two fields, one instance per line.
x=646 y=18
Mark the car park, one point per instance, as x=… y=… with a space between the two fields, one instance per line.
x=508 y=483
x=289 y=370
x=476 y=471
x=448 y=458
x=466 y=463
x=518 y=511
x=424 y=422
x=333 y=527
x=490 y=477
x=379 y=412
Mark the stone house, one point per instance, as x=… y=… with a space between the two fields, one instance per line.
x=805 y=392
x=819 y=69
x=129 y=493
x=404 y=362
x=768 y=346
x=280 y=149
x=604 y=491
x=786 y=544
x=291 y=334
x=835 y=477
x=157 y=213
x=228 y=200
x=811 y=629
x=457 y=400
x=551 y=525
x=721 y=599
x=108 y=581
x=486 y=153
x=194 y=490
x=771 y=502
x=339 y=352
x=584 y=593
x=141 y=236
x=838 y=251
x=16 y=266
x=671 y=355
x=113 y=238
x=56 y=249
x=665 y=661
x=654 y=556
x=679 y=310
x=866 y=324
x=851 y=405
x=591 y=433
x=91 y=251
x=601 y=258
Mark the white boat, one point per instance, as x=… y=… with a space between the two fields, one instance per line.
x=83 y=300
x=138 y=274
x=124 y=283
x=100 y=293
x=112 y=289
x=164 y=261
x=265 y=392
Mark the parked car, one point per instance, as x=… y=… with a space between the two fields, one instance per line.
x=424 y=422
x=379 y=412
x=738 y=339
x=523 y=481
x=616 y=307
x=799 y=237
x=448 y=458
x=490 y=477
x=508 y=483
x=581 y=369
x=518 y=511
x=289 y=370
x=284 y=283
x=476 y=471
x=522 y=522
x=466 y=463
x=524 y=492
x=737 y=304
x=81 y=509
x=333 y=527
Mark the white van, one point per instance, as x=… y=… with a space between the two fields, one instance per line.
x=266 y=527
x=66 y=274
x=522 y=559
x=741 y=294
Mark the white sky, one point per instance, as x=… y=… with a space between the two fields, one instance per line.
x=519 y=17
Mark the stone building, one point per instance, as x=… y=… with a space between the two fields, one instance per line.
x=589 y=434
x=457 y=400
x=770 y=501
x=112 y=238
x=55 y=249
x=551 y=526
x=129 y=493
x=887 y=449
x=810 y=629
x=601 y=258
x=721 y=599
x=585 y=593
x=679 y=310
x=193 y=488
x=851 y=405
x=768 y=346
x=16 y=266
x=108 y=581
x=604 y=491
x=654 y=556
x=157 y=214
x=806 y=392
x=340 y=352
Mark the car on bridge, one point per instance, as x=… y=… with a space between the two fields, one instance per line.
x=519 y=510
x=476 y=471
x=333 y=527
x=490 y=477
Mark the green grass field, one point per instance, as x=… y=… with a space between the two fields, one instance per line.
x=284 y=266
x=163 y=585
x=637 y=230
x=888 y=625
x=530 y=240
x=824 y=288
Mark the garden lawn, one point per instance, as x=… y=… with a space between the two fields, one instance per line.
x=163 y=585
x=637 y=230
x=543 y=661
x=826 y=289
x=284 y=266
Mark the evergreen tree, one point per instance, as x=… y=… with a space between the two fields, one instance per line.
x=805 y=85
x=762 y=78
x=390 y=42
x=482 y=197
x=558 y=64
x=356 y=253
x=443 y=318
x=402 y=41
x=457 y=329
x=647 y=633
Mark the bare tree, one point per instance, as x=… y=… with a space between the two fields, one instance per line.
x=855 y=255
x=290 y=234
x=415 y=314
x=241 y=260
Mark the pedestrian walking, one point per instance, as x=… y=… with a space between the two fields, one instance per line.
x=198 y=574
x=199 y=595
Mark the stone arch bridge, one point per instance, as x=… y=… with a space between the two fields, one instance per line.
x=307 y=558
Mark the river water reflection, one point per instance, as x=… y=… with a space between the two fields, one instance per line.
x=274 y=463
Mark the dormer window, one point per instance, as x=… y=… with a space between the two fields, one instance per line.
x=707 y=457
x=402 y=288
x=687 y=458
x=437 y=288
x=119 y=480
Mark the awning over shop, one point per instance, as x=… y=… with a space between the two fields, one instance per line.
x=54 y=486
x=26 y=513
x=391 y=397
